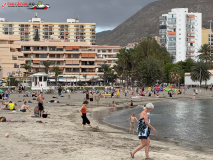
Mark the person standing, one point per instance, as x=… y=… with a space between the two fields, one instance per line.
x=144 y=128
x=83 y=111
x=87 y=95
x=40 y=104
x=125 y=93
x=97 y=98
x=91 y=97
x=41 y=88
x=59 y=92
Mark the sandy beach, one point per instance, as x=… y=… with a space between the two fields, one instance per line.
x=60 y=136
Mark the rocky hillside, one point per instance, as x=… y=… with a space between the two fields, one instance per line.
x=146 y=21
x=100 y=34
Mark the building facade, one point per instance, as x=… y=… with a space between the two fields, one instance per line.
x=10 y=53
x=181 y=32
x=206 y=36
x=71 y=31
x=74 y=59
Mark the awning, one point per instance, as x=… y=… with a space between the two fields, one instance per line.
x=61 y=67
x=84 y=54
x=75 y=47
x=65 y=32
x=50 y=67
x=59 y=47
x=191 y=15
x=50 y=25
x=91 y=54
x=171 y=33
x=36 y=61
x=68 y=47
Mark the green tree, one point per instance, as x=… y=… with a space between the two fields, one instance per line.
x=175 y=74
x=47 y=65
x=57 y=72
x=36 y=38
x=111 y=76
x=150 y=47
x=79 y=83
x=200 y=72
x=149 y=71
x=205 y=50
x=27 y=67
x=105 y=68
x=167 y=69
x=85 y=76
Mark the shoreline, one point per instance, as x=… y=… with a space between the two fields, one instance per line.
x=61 y=138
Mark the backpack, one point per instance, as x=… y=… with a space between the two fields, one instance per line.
x=3 y=119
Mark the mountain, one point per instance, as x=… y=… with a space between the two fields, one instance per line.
x=146 y=21
x=100 y=34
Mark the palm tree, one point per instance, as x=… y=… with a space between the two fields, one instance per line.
x=200 y=72
x=175 y=75
x=47 y=64
x=105 y=68
x=57 y=72
x=27 y=67
x=205 y=50
x=85 y=76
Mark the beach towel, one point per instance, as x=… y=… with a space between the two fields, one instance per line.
x=34 y=98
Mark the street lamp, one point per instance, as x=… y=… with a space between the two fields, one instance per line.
x=210 y=21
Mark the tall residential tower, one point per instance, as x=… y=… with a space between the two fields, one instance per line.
x=181 y=32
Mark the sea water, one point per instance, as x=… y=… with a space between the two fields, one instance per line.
x=190 y=121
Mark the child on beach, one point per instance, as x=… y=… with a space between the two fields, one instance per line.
x=132 y=122
x=68 y=94
x=131 y=104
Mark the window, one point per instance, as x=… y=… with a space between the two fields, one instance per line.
x=14 y=58
x=43 y=56
x=75 y=56
x=40 y=78
x=179 y=38
x=16 y=66
x=9 y=74
x=179 y=33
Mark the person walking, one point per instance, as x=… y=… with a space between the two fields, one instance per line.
x=144 y=128
x=83 y=111
x=91 y=97
x=41 y=88
x=40 y=104
x=59 y=92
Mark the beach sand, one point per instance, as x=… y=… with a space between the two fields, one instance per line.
x=61 y=138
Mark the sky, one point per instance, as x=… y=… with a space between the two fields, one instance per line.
x=107 y=14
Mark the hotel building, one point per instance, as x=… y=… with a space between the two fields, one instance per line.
x=70 y=31
x=74 y=59
x=181 y=32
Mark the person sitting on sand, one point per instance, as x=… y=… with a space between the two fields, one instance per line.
x=36 y=111
x=133 y=94
x=34 y=94
x=11 y=106
x=5 y=105
x=131 y=104
x=24 y=100
x=24 y=107
x=132 y=122
x=112 y=95
x=118 y=94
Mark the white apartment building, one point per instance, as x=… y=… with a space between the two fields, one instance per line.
x=181 y=32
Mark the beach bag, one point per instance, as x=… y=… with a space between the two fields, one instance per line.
x=3 y=119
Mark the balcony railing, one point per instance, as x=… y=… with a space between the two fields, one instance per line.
x=88 y=57
x=73 y=71
x=56 y=57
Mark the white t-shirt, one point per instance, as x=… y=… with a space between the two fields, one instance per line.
x=105 y=88
x=41 y=88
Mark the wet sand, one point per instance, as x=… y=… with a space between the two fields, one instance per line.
x=61 y=138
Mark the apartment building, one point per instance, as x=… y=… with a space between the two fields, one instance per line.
x=181 y=32
x=10 y=53
x=71 y=58
x=206 y=36
x=109 y=53
x=70 y=31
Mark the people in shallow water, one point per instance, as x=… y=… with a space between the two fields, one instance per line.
x=144 y=128
x=132 y=122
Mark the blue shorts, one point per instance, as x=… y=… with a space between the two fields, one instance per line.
x=125 y=94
